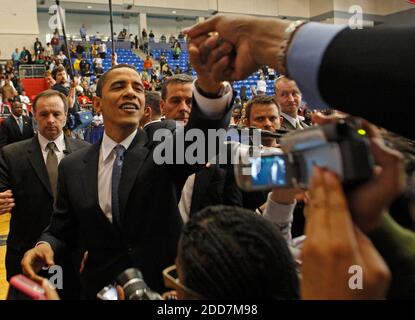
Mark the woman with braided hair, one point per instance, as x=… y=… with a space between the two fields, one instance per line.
x=231 y=253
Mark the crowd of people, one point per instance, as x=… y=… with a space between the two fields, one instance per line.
x=224 y=242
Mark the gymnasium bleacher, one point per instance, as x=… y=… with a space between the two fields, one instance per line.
x=124 y=56
x=127 y=56
x=183 y=60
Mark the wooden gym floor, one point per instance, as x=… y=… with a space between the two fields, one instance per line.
x=4 y=231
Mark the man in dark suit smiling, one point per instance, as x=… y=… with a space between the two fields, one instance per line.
x=113 y=199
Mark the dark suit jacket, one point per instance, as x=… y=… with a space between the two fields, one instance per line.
x=216 y=185
x=376 y=79
x=208 y=188
x=10 y=131
x=151 y=222
x=151 y=128
x=23 y=170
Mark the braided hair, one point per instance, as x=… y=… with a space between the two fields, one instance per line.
x=231 y=253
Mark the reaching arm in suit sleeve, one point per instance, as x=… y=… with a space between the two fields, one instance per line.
x=61 y=232
x=207 y=114
x=357 y=71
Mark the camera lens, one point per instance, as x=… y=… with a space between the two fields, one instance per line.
x=131 y=280
x=134 y=286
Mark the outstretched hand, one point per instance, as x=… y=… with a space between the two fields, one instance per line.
x=255 y=42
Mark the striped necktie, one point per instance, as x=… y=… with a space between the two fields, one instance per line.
x=115 y=184
x=20 y=123
x=52 y=167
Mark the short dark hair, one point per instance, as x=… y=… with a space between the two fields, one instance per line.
x=55 y=71
x=104 y=77
x=260 y=99
x=153 y=99
x=177 y=78
x=48 y=94
x=232 y=253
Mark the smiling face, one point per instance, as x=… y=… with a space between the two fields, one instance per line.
x=121 y=103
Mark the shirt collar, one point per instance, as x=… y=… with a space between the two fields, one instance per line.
x=16 y=117
x=108 y=144
x=59 y=142
x=154 y=121
x=290 y=119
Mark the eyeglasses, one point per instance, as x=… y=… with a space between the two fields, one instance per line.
x=171 y=281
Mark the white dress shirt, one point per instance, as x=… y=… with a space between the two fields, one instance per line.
x=60 y=146
x=17 y=119
x=282 y=216
x=105 y=163
x=294 y=121
x=186 y=198
x=213 y=108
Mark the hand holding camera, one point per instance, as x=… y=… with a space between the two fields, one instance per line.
x=369 y=200
x=339 y=261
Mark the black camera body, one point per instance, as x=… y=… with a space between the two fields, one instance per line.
x=342 y=147
x=134 y=287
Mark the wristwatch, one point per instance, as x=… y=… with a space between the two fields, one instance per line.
x=282 y=53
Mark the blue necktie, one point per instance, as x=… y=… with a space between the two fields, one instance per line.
x=116 y=177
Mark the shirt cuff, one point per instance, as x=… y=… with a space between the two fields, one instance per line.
x=214 y=108
x=43 y=242
x=304 y=58
x=279 y=213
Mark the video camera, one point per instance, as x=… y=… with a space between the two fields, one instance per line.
x=342 y=147
x=134 y=286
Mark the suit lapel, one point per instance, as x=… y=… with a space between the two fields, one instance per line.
x=35 y=156
x=89 y=174
x=133 y=161
x=15 y=126
x=26 y=125
x=70 y=145
x=287 y=124
x=89 y=178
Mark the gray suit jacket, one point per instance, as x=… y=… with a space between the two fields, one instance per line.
x=286 y=125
